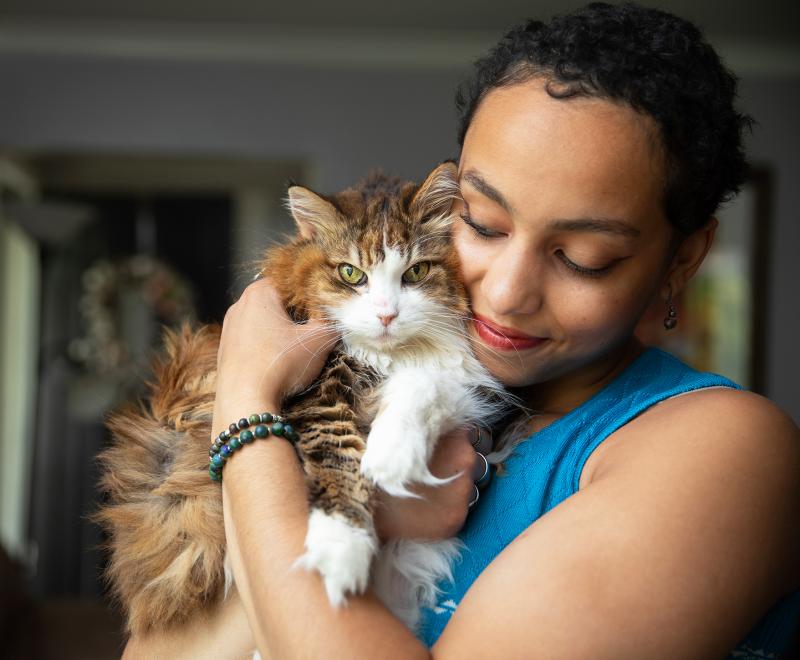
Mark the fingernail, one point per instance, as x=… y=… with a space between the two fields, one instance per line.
x=484 y=442
x=475 y=434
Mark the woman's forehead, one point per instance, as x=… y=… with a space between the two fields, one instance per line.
x=570 y=152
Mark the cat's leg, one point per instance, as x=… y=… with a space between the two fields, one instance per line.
x=417 y=405
x=341 y=542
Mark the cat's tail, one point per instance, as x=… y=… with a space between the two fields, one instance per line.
x=162 y=512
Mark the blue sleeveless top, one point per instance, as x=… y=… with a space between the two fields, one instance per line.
x=546 y=468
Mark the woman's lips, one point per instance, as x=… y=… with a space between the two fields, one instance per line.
x=504 y=339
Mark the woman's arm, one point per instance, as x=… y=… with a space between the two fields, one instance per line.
x=265 y=522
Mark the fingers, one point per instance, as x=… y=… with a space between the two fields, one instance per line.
x=481 y=469
x=264 y=290
x=257 y=329
x=443 y=509
x=453 y=454
x=314 y=334
x=481 y=439
x=263 y=300
x=475 y=498
x=483 y=444
x=464 y=450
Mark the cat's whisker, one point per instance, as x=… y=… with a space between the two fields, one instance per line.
x=472 y=319
x=325 y=347
x=300 y=341
x=499 y=356
x=448 y=329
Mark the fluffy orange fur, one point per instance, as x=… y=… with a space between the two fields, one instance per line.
x=164 y=514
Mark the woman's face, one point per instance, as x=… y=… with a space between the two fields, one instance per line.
x=563 y=239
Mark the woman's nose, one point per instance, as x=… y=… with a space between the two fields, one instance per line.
x=513 y=284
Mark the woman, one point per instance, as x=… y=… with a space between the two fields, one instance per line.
x=595 y=151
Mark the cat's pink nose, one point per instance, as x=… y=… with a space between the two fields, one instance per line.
x=386 y=319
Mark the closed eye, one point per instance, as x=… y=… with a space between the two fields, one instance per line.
x=582 y=270
x=480 y=230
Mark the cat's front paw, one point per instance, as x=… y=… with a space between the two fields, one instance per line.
x=340 y=552
x=397 y=455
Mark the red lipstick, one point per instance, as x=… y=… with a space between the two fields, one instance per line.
x=502 y=338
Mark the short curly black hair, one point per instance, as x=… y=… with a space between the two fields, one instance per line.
x=655 y=62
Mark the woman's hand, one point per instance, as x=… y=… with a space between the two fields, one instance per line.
x=263 y=355
x=442 y=511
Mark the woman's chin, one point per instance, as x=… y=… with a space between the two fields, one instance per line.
x=511 y=370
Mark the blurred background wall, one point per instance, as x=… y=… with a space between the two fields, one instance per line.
x=168 y=129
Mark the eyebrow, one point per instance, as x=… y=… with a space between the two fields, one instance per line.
x=597 y=225
x=486 y=189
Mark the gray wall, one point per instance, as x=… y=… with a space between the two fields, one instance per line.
x=776 y=142
x=343 y=122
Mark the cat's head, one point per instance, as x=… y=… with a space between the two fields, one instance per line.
x=377 y=260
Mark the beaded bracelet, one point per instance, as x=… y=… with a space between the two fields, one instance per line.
x=228 y=441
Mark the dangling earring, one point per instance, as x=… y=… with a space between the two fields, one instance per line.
x=671 y=319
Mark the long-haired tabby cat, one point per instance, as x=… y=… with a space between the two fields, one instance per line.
x=377 y=262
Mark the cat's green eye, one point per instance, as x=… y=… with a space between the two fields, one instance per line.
x=416 y=273
x=351 y=274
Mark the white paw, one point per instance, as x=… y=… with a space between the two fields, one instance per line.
x=397 y=455
x=340 y=553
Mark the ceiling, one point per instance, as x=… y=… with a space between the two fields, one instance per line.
x=728 y=19
x=754 y=38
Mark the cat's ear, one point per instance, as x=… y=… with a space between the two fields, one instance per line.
x=434 y=198
x=312 y=213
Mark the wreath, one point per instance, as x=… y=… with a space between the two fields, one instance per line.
x=139 y=288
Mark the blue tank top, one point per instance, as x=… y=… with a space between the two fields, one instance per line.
x=545 y=469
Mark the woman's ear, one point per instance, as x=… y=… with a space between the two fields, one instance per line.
x=688 y=257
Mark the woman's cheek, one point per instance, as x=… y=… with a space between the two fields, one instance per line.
x=591 y=316
x=471 y=255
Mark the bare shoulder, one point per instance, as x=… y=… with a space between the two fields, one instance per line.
x=738 y=450
x=738 y=429
x=684 y=538
x=735 y=452
x=711 y=406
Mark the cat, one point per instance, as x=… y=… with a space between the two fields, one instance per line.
x=377 y=261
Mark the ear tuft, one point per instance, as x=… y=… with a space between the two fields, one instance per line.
x=312 y=213
x=434 y=198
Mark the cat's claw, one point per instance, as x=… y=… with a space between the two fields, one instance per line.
x=395 y=457
x=340 y=552
x=397 y=489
